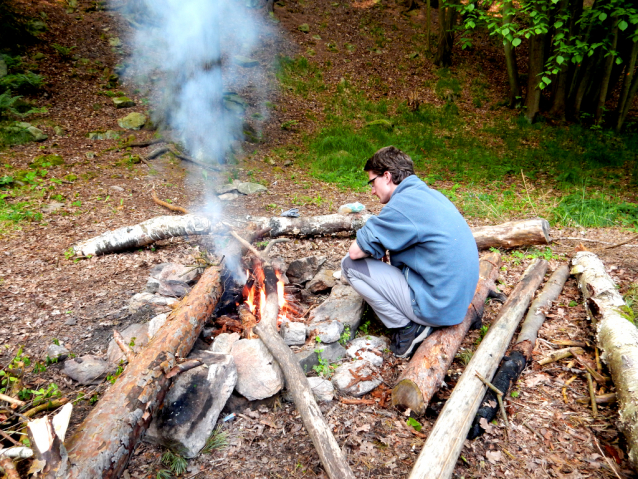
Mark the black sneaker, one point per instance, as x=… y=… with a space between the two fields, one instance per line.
x=405 y=340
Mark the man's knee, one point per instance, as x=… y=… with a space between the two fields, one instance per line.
x=348 y=264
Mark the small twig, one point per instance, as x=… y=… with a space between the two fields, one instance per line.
x=157 y=201
x=560 y=354
x=126 y=349
x=592 y=396
x=608 y=398
x=192 y=160
x=528 y=196
x=46 y=406
x=245 y=244
x=369 y=402
x=606 y=458
x=9 y=438
x=9 y=399
x=499 y=396
x=534 y=431
x=599 y=365
x=621 y=243
x=266 y=251
x=567 y=383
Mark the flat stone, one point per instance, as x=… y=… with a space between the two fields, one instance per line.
x=152 y=285
x=258 y=374
x=86 y=370
x=155 y=324
x=123 y=102
x=116 y=188
x=322 y=281
x=192 y=405
x=228 y=188
x=53 y=206
x=57 y=352
x=175 y=272
x=59 y=130
x=344 y=304
x=103 y=135
x=294 y=333
x=343 y=378
x=135 y=333
x=172 y=288
x=304 y=269
x=245 y=61
x=228 y=196
x=328 y=331
x=154 y=301
x=323 y=389
x=251 y=188
x=369 y=348
x=35 y=133
x=224 y=343
x=132 y=121
x=308 y=357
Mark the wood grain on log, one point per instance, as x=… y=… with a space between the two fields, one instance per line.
x=103 y=443
x=429 y=365
x=443 y=446
x=616 y=337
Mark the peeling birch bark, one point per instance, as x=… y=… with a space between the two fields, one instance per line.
x=155 y=229
x=311 y=225
x=617 y=338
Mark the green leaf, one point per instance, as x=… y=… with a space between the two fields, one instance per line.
x=623 y=25
x=516 y=42
x=602 y=17
x=414 y=423
x=618 y=61
x=546 y=80
x=514 y=394
x=560 y=60
x=558 y=24
x=505 y=31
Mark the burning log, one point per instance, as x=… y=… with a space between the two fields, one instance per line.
x=104 y=442
x=521 y=353
x=332 y=458
x=444 y=444
x=617 y=338
x=429 y=365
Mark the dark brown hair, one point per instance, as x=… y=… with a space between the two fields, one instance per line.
x=393 y=160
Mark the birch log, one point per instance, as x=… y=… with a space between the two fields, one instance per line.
x=311 y=225
x=617 y=338
x=429 y=365
x=443 y=446
x=513 y=234
x=103 y=443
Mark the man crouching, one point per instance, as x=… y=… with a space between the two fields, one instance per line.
x=434 y=263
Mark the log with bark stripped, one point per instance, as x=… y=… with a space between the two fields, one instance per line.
x=104 y=442
x=429 y=365
x=617 y=338
x=443 y=446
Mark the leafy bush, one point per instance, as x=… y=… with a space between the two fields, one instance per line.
x=22 y=82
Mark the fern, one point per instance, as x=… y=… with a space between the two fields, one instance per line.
x=176 y=462
x=7 y=103
x=163 y=474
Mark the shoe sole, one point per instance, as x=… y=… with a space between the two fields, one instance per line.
x=418 y=340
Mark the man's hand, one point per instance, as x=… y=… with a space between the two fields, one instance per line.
x=356 y=252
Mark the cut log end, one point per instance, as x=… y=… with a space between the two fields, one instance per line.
x=408 y=394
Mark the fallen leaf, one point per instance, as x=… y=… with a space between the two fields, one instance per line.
x=364 y=428
x=486 y=425
x=494 y=456
x=367 y=448
x=537 y=379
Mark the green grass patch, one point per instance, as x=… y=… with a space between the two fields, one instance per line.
x=300 y=76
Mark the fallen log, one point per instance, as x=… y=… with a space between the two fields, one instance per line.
x=513 y=234
x=330 y=454
x=104 y=442
x=429 y=365
x=617 y=338
x=520 y=354
x=443 y=446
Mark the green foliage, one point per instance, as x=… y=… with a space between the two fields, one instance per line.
x=323 y=369
x=596 y=210
x=631 y=298
x=482 y=332
x=65 y=52
x=22 y=82
x=217 y=440
x=176 y=462
x=414 y=423
x=46 y=161
x=345 y=336
x=300 y=76
x=8 y=104
x=363 y=328
x=163 y=474
x=515 y=394
x=112 y=378
x=464 y=356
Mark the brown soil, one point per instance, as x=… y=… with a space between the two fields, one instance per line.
x=46 y=295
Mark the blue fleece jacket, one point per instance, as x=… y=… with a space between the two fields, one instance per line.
x=431 y=243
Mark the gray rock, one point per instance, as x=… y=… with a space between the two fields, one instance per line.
x=323 y=281
x=155 y=324
x=224 y=343
x=153 y=301
x=193 y=404
x=304 y=269
x=294 y=333
x=369 y=348
x=323 y=389
x=132 y=121
x=86 y=370
x=172 y=288
x=175 y=272
x=57 y=352
x=59 y=130
x=116 y=188
x=3 y=68
x=251 y=188
x=152 y=286
x=258 y=374
x=344 y=304
x=135 y=333
x=228 y=188
x=103 y=135
x=329 y=352
x=329 y=331
x=123 y=102
x=343 y=378
x=228 y=196
x=53 y=206
x=35 y=133
x=245 y=62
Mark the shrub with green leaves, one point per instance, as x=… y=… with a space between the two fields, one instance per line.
x=22 y=82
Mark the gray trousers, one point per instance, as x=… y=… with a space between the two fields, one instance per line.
x=384 y=288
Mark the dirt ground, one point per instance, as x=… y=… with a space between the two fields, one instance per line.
x=47 y=295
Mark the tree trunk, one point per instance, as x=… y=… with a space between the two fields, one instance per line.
x=609 y=65
x=429 y=365
x=444 y=444
x=521 y=353
x=510 y=59
x=533 y=97
x=103 y=443
x=625 y=97
x=617 y=338
x=447 y=20
x=585 y=82
x=428 y=22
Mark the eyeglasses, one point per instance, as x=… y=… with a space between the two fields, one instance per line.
x=371 y=182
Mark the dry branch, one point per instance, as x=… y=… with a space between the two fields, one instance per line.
x=12 y=400
x=443 y=446
x=126 y=349
x=104 y=442
x=159 y=202
x=617 y=338
x=429 y=365
x=560 y=354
